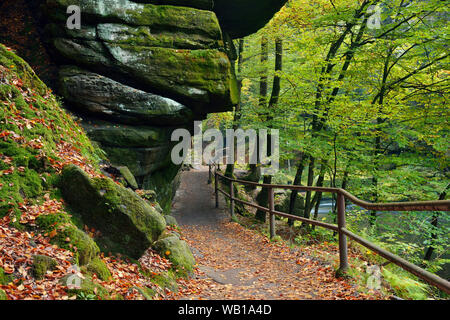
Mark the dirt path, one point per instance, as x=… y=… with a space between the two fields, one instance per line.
x=238 y=263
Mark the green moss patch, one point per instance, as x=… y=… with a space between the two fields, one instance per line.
x=42 y=264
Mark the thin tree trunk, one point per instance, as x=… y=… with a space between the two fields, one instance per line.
x=276 y=88
x=318 y=195
x=434 y=223
x=309 y=184
x=229 y=172
x=297 y=182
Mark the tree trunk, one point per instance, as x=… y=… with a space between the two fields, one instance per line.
x=434 y=223
x=297 y=182
x=276 y=88
x=309 y=184
x=229 y=172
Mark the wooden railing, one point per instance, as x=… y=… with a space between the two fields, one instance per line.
x=340 y=228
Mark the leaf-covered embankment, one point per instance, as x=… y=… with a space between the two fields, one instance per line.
x=44 y=244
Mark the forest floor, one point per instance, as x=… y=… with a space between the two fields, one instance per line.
x=238 y=263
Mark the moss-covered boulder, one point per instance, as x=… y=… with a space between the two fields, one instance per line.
x=5 y=278
x=98 y=267
x=3 y=295
x=127 y=223
x=283 y=202
x=42 y=264
x=177 y=251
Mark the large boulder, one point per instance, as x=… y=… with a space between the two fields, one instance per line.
x=127 y=223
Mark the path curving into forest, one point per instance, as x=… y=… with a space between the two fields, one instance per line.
x=239 y=263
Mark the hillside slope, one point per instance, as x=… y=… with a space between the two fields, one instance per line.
x=48 y=248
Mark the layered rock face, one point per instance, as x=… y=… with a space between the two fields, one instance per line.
x=138 y=70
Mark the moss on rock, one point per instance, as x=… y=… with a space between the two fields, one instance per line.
x=178 y=252
x=25 y=96
x=69 y=236
x=87 y=287
x=42 y=264
x=127 y=223
x=98 y=267
x=171 y=221
x=5 y=278
x=128 y=176
x=3 y=295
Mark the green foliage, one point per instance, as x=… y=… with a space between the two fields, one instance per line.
x=404 y=286
x=369 y=104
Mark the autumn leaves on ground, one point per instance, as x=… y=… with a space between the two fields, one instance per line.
x=235 y=262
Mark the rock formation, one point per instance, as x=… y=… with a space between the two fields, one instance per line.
x=135 y=71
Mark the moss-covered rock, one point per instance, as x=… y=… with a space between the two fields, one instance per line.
x=200 y=79
x=42 y=264
x=127 y=223
x=143 y=149
x=87 y=288
x=158 y=17
x=283 y=202
x=98 y=267
x=5 y=278
x=171 y=221
x=129 y=177
x=69 y=236
x=177 y=251
x=164 y=183
x=3 y=295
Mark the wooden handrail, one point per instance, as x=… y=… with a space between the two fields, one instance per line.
x=342 y=195
x=434 y=205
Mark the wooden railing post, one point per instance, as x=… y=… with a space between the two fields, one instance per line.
x=231 y=199
x=343 y=258
x=271 y=214
x=216 y=187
